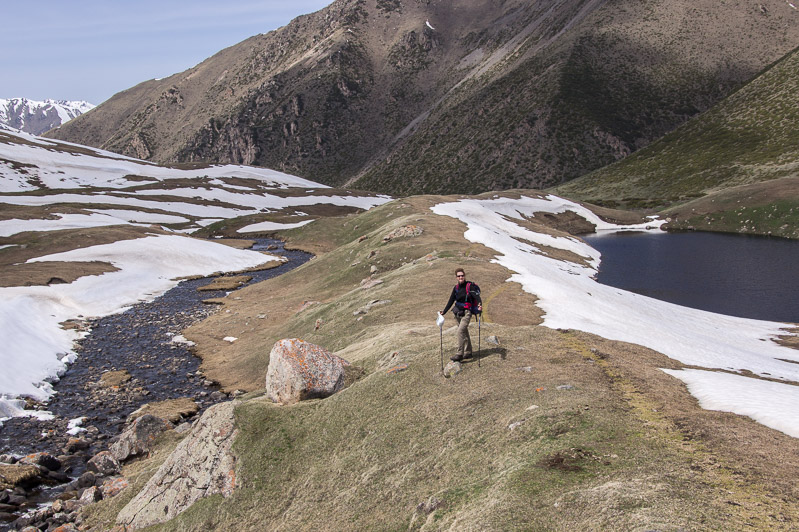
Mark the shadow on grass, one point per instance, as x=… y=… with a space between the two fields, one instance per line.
x=485 y=353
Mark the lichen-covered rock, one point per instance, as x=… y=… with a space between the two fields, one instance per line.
x=104 y=464
x=113 y=486
x=406 y=231
x=139 y=437
x=200 y=466
x=299 y=370
x=45 y=460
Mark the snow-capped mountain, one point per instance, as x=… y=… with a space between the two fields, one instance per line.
x=35 y=117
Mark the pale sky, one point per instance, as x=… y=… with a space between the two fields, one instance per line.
x=91 y=49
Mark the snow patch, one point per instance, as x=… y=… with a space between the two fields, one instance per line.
x=271 y=226
x=772 y=404
x=572 y=299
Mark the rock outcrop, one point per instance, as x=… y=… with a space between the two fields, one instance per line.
x=299 y=370
x=201 y=465
x=139 y=436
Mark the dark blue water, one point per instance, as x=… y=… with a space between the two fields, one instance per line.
x=738 y=275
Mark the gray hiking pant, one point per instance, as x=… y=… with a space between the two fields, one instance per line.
x=464 y=342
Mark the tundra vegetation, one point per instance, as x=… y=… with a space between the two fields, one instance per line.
x=556 y=429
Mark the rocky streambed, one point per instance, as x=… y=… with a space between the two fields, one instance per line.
x=127 y=360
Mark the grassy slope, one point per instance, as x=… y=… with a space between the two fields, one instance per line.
x=742 y=155
x=626 y=448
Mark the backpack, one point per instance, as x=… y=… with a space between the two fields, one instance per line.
x=472 y=290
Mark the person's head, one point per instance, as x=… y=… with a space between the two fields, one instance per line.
x=460 y=275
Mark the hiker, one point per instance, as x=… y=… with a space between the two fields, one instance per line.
x=466 y=297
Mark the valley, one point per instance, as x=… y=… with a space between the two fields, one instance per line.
x=319 y=184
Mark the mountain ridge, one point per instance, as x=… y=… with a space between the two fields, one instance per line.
x=410 y=97
x=36 y=117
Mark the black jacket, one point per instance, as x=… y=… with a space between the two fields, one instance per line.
x=460 y=297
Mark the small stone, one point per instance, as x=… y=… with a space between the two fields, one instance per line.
x=492 y=340
x=90 y=495
x=111 y=379
x=526 y=369
x=514 y=426
x=430 y=505
x=565 y=387
x=87 y=479
x=373 y=269
x=452 y=369
x=76 y=444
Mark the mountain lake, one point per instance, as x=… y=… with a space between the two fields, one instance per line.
x=738 y=275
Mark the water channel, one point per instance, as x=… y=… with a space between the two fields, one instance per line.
x=140 y=341
x=738 y=275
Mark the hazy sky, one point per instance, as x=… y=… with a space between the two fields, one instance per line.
x=91 y=49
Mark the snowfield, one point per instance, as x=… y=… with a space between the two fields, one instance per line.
x=36 y=349
x=58 y=164
x=572 y=299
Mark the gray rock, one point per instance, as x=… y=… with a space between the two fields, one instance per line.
x=452 y=369
x=139 y=437
x=90 y=495
x=565 y=387
x=492 y=340
x=369 y=306
x=200 y=466
x=104 y=464
x=299 y=370
x=42 y=459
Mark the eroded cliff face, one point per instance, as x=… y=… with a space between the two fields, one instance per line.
x=410 y=96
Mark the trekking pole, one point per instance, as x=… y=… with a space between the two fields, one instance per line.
x=440 y=322
x=479 y=322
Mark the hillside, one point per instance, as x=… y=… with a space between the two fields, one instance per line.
x=407 y=97
x=734 y=168
x=555 y=427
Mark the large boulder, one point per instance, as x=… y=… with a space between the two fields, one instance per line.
x=201 y=465
x=139 y=437
x=299 y=370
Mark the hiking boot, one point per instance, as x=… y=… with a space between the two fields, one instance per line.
x=456 y=358
x=467 y=355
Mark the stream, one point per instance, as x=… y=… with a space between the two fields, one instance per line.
x=140 y=341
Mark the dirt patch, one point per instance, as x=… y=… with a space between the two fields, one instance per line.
x=173 y=410
x=50 y=273
x=226 y=283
